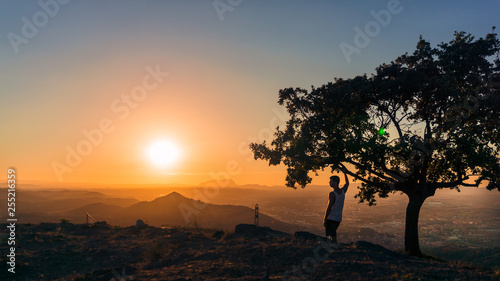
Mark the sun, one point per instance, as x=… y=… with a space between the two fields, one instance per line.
x=163 y=153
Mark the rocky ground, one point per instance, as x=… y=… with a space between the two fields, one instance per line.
x=100 y=252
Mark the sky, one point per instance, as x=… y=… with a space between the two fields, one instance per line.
x=88 y=87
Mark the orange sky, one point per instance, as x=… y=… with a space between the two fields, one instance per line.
x=100 y=133
x=102 y=66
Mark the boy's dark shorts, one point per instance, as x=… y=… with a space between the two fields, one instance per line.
x=331 y=228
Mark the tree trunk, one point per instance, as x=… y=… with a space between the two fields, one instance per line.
x=412 y=246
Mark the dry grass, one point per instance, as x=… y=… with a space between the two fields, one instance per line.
x=160 y=249
x=80 y=252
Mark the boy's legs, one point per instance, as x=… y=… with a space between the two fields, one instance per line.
x=331 y=230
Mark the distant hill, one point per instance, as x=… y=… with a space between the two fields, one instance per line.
x=53 y=204
x=216 y=183
x=173 y=209
x=95 y=208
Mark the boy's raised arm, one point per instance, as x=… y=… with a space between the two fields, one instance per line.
x=346 y=185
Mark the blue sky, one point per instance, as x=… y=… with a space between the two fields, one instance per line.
x=225 y=72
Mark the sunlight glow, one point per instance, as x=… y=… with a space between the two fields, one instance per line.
x=163 y=153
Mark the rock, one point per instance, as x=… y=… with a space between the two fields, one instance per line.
x=218 y=234
x=252 y=231
x=115 y=254
x=102 y=253
x=101 y=224
x=140 y=224
x=378 y=252
x=307 y=235
x=367 y=245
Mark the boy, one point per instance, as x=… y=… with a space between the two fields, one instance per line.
x=333 y=215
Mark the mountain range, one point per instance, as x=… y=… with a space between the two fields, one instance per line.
x=173 y=209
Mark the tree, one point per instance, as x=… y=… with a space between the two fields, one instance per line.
x=441 y=104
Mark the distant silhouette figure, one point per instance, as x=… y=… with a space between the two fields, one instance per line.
x=333 y=215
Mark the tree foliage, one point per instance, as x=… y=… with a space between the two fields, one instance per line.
x=440 y=101
x=439 y=107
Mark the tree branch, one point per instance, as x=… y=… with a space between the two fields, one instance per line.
x=396 y=123
x=358 y=177
x=458 y=182
x=395 y=186
x=403 y=117
x=427 y=134
x=368 y=169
